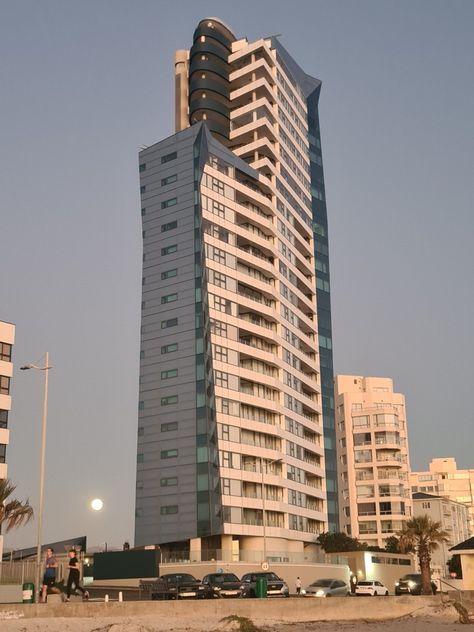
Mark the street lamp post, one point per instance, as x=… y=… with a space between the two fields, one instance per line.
x=264 y=509
x=44 y=368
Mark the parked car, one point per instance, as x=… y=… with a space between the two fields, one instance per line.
x=411 y=585
x=223 y=584
x=371 y=588
x=327 y=588
x=180 y=586
x=276 y=587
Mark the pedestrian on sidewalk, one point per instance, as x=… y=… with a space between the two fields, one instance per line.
x=74 y=577
x=298 y=586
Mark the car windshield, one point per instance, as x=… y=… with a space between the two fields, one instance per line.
x=412 y=577
x=224 y=577
x=251 y=577
x=179 y=578
x=325 y=583
x=365 y=583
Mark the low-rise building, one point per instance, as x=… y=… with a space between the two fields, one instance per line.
x=453 y=517
x=445 y=479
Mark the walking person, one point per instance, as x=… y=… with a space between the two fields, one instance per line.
x=298 y=586
x=74 y=577
x=49 y=576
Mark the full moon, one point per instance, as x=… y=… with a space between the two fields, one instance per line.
x=97 y=504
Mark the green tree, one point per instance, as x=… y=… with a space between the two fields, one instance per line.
x=13 y=512
x=392 y=544
x=424 y=536
x=454 y=566
x=338 y=542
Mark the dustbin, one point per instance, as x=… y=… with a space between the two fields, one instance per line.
x=28 y=592
x=261 y=587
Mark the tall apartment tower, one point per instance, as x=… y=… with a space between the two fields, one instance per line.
x=445 y=479
x=373 y=458
x=7 y=339
x=231 y=452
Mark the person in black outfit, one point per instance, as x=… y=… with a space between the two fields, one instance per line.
x=74 y=576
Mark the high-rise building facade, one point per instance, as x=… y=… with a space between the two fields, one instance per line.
x=373 y=458
x=7 y=340
x=231 y=448
x=445 y=479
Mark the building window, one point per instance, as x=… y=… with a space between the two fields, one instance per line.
x=169 y=180
x=169 y=249
x=142 y=167
x=143 y=211
x=218 y=328
x=168 y=427
x=169 y=298
x=169 y=509
x=221 y=353
x=168 y=274
x=3 y=418
x=4 y=385
x=169 y=399
x=170 y=373
x=221 y=379
x=5 y=352
x=169 y=157
x=426 y=505
x=170 y=202
x=140 y=458
x=173 y=346
x=169 y=454
x=171 y=322
x=171 y=481
x=142 y=189
x=169 y=226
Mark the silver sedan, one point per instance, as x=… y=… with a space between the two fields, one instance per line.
x=327 y=588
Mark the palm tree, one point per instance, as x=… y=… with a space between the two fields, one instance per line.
x=422 y=535
x=13 y=512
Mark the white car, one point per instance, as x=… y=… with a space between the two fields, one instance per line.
x=371 y=588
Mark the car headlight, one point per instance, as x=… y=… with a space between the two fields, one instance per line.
x=411 y=584
x=173 y=588
x=397 y=583
x=303 y=591
x=242 y=587
x=320 y=593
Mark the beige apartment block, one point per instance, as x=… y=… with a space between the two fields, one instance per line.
x=445 y=479
x=373 y=459
x=453 y=517
x=7 y=339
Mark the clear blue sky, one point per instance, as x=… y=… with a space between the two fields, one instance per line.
x=85 y=83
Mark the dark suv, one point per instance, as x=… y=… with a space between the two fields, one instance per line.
x=276 y=587
x=180 y=586
x=411 y=585
x=223 y=584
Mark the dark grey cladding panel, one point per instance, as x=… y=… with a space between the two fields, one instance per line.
x=307 y=83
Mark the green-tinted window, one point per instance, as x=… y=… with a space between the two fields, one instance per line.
x=171 y=322
x=169 y=180
x=169 y=226
x=170 y=202
x=171 y=348
x=140 y=458
x=169 y=157
x=168 y=509
x=169 y=454
x=169 y=249
x=143 y=211
x=142 y=167
x=168 y=274
x=170 y=426
x=141 y=405
x=171 y=481
x=170 y=373
x=169 y=399
x=169 y=298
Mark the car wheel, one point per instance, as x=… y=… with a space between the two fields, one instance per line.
x=375 y=594
x=386 y=593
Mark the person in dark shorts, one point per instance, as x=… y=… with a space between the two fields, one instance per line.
x=74 y=577
x=49 y=577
